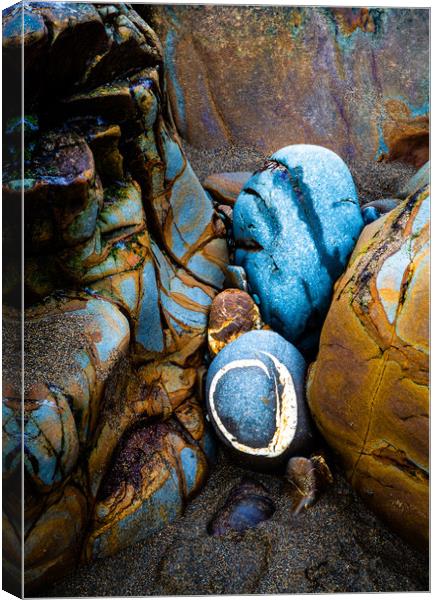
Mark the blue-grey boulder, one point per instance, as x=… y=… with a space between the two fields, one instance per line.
x=255 y=399
x=296 y=222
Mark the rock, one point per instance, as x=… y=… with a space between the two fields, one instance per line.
x=247 y=505
x=236 y=277
x=226 y=187
x=124 y=255
x=295 y=224
x=154 y=472
x=338 y=545
x=232 y=313
x=417 y=182
x=313 y=75
x=374 y=209
x=368 y=389
x=255 y=399
x=383 y=205
x=308 y=477
x=370 y=214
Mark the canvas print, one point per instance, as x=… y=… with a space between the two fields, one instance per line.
x=215 y=299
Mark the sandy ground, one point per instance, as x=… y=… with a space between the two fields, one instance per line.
x=373 y=179
x=338 y=545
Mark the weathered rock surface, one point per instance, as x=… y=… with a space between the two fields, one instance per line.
x=124 y=255
x=226 y=187
x=265 y=77
x=368 y=389
x=419 y=180
x=233 y=312
x=295 y=224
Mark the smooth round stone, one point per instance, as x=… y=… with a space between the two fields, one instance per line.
x=295 y=225
x=255 y=398
x=383 y=205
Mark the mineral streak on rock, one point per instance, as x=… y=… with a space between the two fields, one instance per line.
x=368 y=389
x=154 y=472
x=247 y=505
x=267 y=77
x=124 y=255
x=232 y=313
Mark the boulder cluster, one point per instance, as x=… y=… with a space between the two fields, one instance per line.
x=130 y=338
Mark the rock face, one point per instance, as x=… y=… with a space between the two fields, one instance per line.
x=226 y=187
x=124 y=254
x=295 y=224
x=269 y=76
x=255 y=399
x=368 y=389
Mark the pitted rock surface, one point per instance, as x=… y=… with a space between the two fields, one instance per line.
x=265 y=77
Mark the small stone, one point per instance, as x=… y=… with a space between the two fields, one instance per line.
x=225 y=187
x=383 y=205
x=255 y=399
x=233 y=313
x=236 y=277
x=370 y=214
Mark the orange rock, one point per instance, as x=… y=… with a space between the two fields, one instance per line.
x=368 y=389
x=233 y=313
x=225 y=187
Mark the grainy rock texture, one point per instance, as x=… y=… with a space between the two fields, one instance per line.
x=368 y=389
x=265 y=77
x=295 y=224
x=225 y=187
